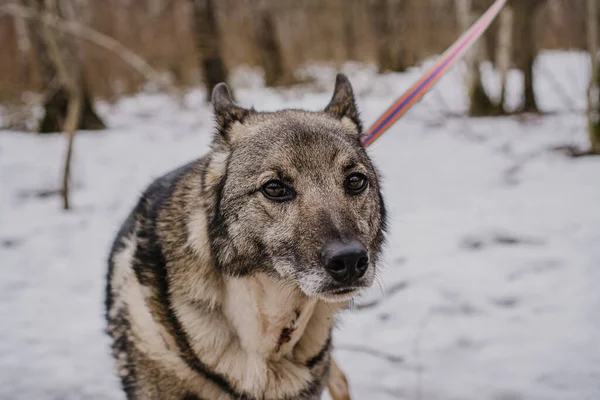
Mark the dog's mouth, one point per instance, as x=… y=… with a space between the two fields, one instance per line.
x=339 y=295
x=326 y=288
x=343 y=291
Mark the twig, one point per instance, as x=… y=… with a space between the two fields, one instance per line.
x=64 y=76
x=71 y=122
x=372 y=352
x=388 y=293
x=69 y=75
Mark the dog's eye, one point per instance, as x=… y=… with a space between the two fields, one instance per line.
x=356 y=183
x=277 y=191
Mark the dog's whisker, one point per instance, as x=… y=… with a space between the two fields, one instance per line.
x=380 y=283
x=289 y=296
x=351 y=303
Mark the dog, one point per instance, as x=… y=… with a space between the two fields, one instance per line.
x=225 y=280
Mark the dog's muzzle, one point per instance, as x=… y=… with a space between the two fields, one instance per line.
x=346 y=262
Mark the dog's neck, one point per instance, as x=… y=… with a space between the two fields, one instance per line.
x=269 y=316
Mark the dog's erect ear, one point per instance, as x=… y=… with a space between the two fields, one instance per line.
x=343 y=105
x=226 y=111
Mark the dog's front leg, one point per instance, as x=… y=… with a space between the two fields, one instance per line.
x=337 y=384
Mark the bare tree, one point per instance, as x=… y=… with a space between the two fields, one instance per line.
x=348 y=13
x=208 y=44
x=479 y=102
x=64 y=62
x=389 y=21
x=267 y=44
x=80 y=31
x=525 y=12
x=593 y=94
x=24 y=46
x=56 y=106
x=379 y=15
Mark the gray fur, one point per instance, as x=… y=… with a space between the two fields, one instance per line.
x=217 y=292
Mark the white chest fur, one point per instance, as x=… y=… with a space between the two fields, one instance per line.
x=268 y=315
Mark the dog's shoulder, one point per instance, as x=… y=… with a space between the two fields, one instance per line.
x=151 y=202
x=144 y=215
x=163 y=188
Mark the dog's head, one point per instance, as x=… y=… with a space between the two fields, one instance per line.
x=294 y=194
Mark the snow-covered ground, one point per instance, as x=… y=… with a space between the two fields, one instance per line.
x=492 y=263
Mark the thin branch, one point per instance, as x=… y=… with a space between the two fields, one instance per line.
x=74 y=110
x=65 y=77
x=593 y=108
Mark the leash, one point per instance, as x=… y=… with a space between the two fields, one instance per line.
x=418 y=90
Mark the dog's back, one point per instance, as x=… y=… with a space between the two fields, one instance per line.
x=137 y=237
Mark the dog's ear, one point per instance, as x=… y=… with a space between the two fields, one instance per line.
x=342 y=105
x=226 y=111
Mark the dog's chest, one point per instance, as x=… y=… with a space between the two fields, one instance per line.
x=269 y=317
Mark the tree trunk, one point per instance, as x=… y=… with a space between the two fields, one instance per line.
x=208 y=44
x=402 y=57
x=529 y=102
x=593 y=94
x=62 y=57
x=348 y=10
x=525 y=32
x=479 y=102
x=381 y=25
x=268 y=46
x=58 y=98
x=503 y=52
x=56 y=108
x=24 y=46
x=389 y=23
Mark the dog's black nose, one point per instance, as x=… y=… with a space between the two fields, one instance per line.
x=346 y=262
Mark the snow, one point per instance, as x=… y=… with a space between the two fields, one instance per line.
x=494 y=244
